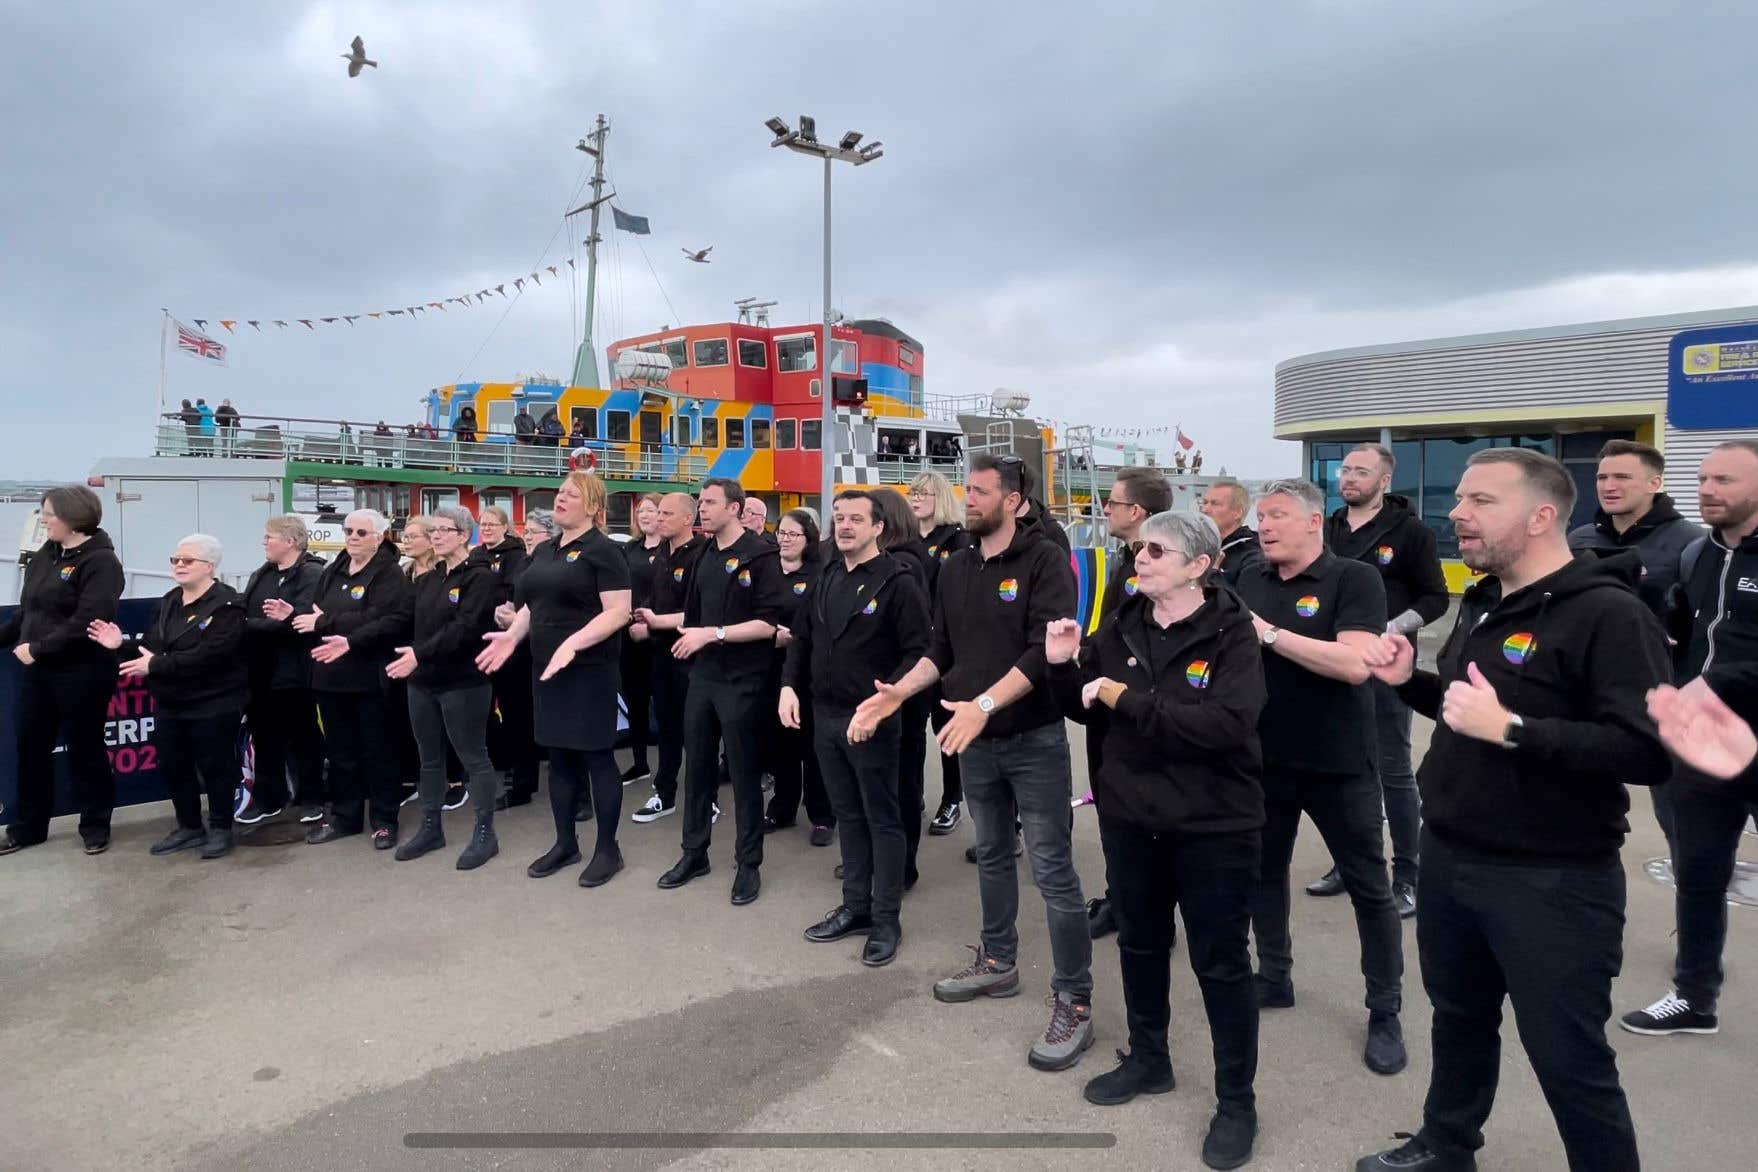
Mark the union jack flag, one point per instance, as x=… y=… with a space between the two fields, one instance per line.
x=198 y=345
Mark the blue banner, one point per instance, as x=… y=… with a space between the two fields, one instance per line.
x=1712 y=378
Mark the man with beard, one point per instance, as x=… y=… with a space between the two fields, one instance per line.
x=671 y=676
x=1720 y=601
x=1226 y=503
x=1378 y=528
x=1540 y=686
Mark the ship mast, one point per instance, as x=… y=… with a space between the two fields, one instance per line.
x=586 y=359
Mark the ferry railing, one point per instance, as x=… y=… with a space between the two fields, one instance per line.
x=903 y=469
x=374 y=449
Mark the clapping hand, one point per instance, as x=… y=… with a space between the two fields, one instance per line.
x=305 y=624
x=1061 y=640
x=105 y=635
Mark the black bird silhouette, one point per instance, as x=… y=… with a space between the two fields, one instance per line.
x=357 y=58
x=700 y=258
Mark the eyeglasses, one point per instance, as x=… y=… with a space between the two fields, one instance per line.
x=1119 y=502
x=432 y=529
x=358 y=532
x=1156 y=551
x=181 y=562
x=780 y=533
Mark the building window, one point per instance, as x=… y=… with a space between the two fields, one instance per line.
x=796 y=354
x=586 y=419
x=711 y=352
x=785 y=430
x=735 y=433
x=906 y=356
x=759 y=433
x=681 y=431
x=710 y=432
x=616 y=426
x=677 y=351
x=811 y=435
x=845 y=359
x=753 y=353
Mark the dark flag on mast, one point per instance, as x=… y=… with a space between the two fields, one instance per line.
x=628 y=223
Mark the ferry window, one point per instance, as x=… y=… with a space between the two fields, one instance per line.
x=585 y=418
x=752 y=353
x=540 y=498
x=784 y=434
x=796 y=354
x=500 y=416
x=735 y=433
x=816 y=388
x=844 y=358
x=616 y=426
x=811 y=431
x=906 y=356
x=711 y=352
x=675 y=349
x=681 y=431
x=759 y=433
x=915 y=388
x=710 y=432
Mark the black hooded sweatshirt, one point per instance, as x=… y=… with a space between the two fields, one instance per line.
x=837 y=653
x=1659 y=539
x=1240 y=552
x=1181 y=751
x=64 y=591
x=1715 y=613
x=1039 y=518
x=1573 y=655
x=198 y=667
x=1402 y=549
x=989 y=617
x=749 y=586
x=505 y=561
x=453 y=610
x=280 y=657
x=938 y=544
x=372 y=610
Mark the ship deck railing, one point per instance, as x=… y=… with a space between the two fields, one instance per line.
x=309 y=441
x=894 y=469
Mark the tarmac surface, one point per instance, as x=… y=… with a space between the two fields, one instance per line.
x=296 y=1007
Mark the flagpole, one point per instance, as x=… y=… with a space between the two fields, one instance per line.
x=164 y=327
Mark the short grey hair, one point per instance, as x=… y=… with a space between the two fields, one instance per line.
x=1191 y=534
x=1304 y=491
x=457 y=516
x=373 y=517
x=289 y=527
x=542 y=518
x=1241 y=495
x=206 y=547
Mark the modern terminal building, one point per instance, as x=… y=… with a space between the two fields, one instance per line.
x=1683 y=383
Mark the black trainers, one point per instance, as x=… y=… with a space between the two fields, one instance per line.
x=253 y=813
x=483 y=846
x=180 y=839
x=1672 y=1014
x=430 y=837
x=217 y=844
x=1100 y=921
x=1228 y=1144
x=946 y=819
x=1415 y=1156
x=1131 y=1078
x=455 y=798
x=1330 y=883
x=1384 y=1053
x=636 y=772
x=1273 y=994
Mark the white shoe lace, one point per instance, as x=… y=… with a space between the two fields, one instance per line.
x=1672 y=1005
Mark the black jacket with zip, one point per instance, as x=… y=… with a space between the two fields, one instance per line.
x=1658 y=539
x=280 y=657
x=989 y=617
x=938 y=544
x=1402 y=549
x=505 y=561
x=1240 y=553
x=834 y=658
x=64 y=590
x=1181 y=751
x=1573 y=655
x=1715 y=613
x=371 y=610
x=453 y=608
x=198 y=664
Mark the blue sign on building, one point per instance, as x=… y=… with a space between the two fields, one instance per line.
x=1712 y=378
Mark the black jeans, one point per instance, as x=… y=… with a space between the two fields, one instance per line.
x=363 y=759
x=912 y=766
x=200 y=755
x=671 y=687
x=283 y=731
x=637 y=677
x=512 y=745
x=862 y=782
x=1346 y=810
x=793 y=760
x=722 y=713
x=951 y=781
x=1209 y=877
x=458 y=717
x=64 y=704
x=1708 y=819
x=1403 y=804
x=1550 y=940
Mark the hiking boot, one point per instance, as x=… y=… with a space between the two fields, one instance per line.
x=1672 y=1014
x=430 y=837
x=180 y=839
x=1067 y=1036
x=1132 y=1077
x=983 y=977
x=483 y=846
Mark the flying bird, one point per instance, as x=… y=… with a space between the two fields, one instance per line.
x=357 y=58
x=700 y=258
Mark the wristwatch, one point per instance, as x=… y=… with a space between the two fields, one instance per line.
x=985 y=703
x=1269 y=636
x=720 y=634
x=1511 y=735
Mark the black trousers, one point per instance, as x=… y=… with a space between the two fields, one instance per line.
x=793 y=761
x=912 y=765
x=592 y=775
x=862 y=781
x=199 y=755
x=1209 y=879
x=64 y=704
x=637 y=677
x=1550 y=940
x=512 y=744
x=358 y=738
x=284 y=732
x=1346 y=810
x=724 y=714
x=671 y=686
x=1708 y=818
x=951 y=781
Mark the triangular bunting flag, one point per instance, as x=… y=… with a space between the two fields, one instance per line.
x=376 y=316
x=254 y=326
x=436 y=305
x=281 y=323
x=501 y=289
x=306 y=322
x=349 y=317
x=396 y=313
x=519 y=284
x=551 y=269
x=201 y=323
x=229 y=324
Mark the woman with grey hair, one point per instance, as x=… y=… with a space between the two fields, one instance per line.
x=1180 y=801
x=189 y=658
x=282 y=710
x=539 y=528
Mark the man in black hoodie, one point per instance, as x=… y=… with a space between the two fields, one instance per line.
x=1540 y=723
x=994 y=602
x=1378 y=528
x=1718 y=597
x=1226 y=503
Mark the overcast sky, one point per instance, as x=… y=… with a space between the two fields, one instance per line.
x=1131 y=211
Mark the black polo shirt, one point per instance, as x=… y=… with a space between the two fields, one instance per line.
x=1311 y=721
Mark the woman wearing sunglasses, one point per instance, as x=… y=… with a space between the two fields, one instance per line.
x=1180 y=802
x=192 y=659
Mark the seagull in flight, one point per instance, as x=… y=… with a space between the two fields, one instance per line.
x=357 y=58
x=700 y=258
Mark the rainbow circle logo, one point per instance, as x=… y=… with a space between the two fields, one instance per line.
x=1518 y=647
x=1130 y=586
x=944 y=554
x=1306 y=606
x=573 y=555
x=356 y=592
x=872 y=606
x=1383 y=555
x=799 y=587
x=452 y=596
x=732 y=564
x=203 y=625
x=1197 y=673
x=67 y=573
x=744 y=577
x=677 y=575
x=1008 y=590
